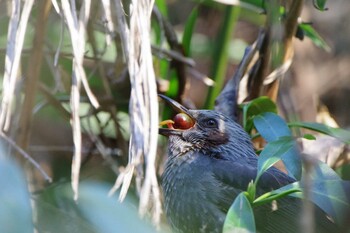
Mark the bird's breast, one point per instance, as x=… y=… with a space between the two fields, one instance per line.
x=189 y=193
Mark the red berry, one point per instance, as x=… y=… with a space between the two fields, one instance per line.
x=183 y=121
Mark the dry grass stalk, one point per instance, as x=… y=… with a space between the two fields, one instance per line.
x=77 y=30
x=16 y=32
x=143 y=106
x=106 y=4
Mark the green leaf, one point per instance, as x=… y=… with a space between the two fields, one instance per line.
x=292 y=162
x=341 y=134
x=240 y=217
x=344 y=171
x=276 y=194
x=273 y=152
x=309 y=137
x=310 y=32
x=188 y=31
x=260 y=105
x=320 y=5
x=322 y=171
x=162 y=6
x=294 y=190
x=331 y=195
x=251 y=191
x=256 y=107
x=15 y=207
x=271 y=126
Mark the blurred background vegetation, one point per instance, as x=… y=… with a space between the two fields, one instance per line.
x=196 y=46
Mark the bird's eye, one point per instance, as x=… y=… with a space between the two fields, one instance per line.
x=211 y=123
x=183 y=121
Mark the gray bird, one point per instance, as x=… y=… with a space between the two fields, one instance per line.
x=210 y=161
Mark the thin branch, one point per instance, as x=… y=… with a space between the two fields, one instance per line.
x=174 y=55
x=26 y=156
x=33 y=75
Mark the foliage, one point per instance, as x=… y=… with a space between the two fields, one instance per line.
x=66 y=97
x=328 y=191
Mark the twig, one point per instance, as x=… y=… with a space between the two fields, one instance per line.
x=26 y=156
x=106 y=83
x=107 y=150
x=50 y=98
x=33 y=74
x=102 y=148
x=174 y=55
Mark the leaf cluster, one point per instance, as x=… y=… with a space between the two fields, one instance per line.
x=328 y=190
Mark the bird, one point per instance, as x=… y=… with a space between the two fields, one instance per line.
x=210 y=161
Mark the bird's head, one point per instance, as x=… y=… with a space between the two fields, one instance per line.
x=207 y=131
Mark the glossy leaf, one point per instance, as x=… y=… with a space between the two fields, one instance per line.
x=240 y=217
x=309 y=137
x=310 y=32
x=277 y=194
x=273 y=152
x=332 y=196
x=293 y=186
x=328 y=192
x=274 y=129
x=188 y=31
x=341 y=134
x=322 y=171
x=320 y=4
x=256 y=107
x=271 y=126
x=292 y=162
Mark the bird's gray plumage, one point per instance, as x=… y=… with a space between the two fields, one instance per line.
x=208 y=165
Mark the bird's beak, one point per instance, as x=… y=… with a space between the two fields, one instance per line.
x=177 y=108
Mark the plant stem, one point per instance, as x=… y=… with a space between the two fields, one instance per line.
x=220 y=57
